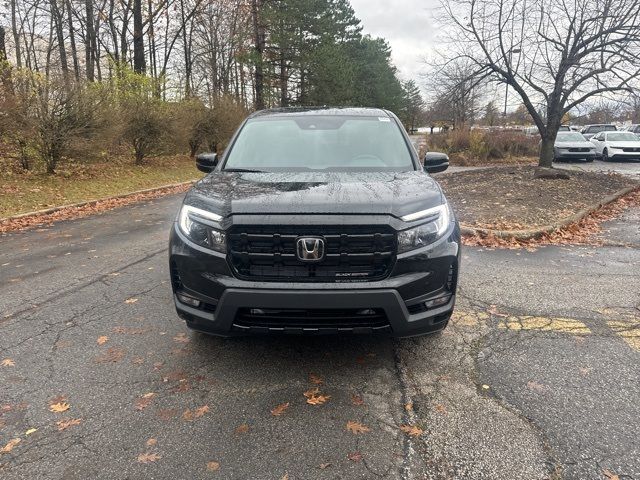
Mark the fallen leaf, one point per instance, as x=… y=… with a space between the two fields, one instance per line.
x=316 y=380
x=412 y=430
x=280 y=409
x=30 y=431
x=323 y=466
x=144 y=401
x=441 y=409
x=486 y=387
x=196 y=413
x=409 y=407
x=493 y=310
x=357 y=400
x=112 y=355
x=285 y=477
x=131 y=300
x=102 y=340
x=357 y=427
x=7 y=362
x=244 y=428
x=213 y=466
x=181 y=338
x=314 y=397
x=152 y=442
x=538 y=387
x=59 y=407
x=148 y=457
x=9 y=446
x=64 y=424
x=610 y=475
x=355 y=457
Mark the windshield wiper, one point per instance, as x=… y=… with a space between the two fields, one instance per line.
x=243 y=170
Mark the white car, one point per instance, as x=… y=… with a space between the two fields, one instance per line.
x=617 y=146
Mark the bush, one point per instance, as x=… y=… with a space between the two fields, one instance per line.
x=477 y=146
x=201 y=127
x=46 y=115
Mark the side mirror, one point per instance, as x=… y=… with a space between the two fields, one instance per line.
x=435 y=162
x=206 y=162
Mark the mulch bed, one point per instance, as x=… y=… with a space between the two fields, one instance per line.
x=509 y=198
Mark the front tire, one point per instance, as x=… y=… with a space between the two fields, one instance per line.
x=605 y=155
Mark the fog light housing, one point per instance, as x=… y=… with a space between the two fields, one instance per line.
x=187 y=300
x=437 y=302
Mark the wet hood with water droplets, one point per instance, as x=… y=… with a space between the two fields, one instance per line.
x=394 y=194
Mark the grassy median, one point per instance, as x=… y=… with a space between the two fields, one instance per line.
x=77 y=182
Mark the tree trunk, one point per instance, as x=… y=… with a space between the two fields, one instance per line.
x=139 y=62
x=5 y=70
x=90 y=41
x=16 y=34
x=72 y=42
x=284 y=98
x=57 y=21
x=546 y=151
x=259 y=42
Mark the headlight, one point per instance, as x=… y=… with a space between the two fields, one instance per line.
x=439 y=219
x=195 y=224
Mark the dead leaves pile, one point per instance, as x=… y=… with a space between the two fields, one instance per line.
x=10 y=225
x=584 y=232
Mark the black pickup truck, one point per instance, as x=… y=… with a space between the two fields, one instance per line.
x=316 y=221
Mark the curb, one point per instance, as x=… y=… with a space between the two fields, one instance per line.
x=533 y=233
x=51 y=210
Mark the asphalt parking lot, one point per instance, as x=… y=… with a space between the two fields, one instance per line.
x=537 y=377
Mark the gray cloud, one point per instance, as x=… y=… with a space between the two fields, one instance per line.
x=406 y=24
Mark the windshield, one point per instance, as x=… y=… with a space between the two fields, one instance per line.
x=570 y=137
x=601 y=128
x=320 y=142
x=622 y=137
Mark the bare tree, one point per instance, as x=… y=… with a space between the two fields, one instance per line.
x=456 y=87
x=555 y=54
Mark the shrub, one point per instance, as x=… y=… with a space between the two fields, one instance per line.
x=145 y=120
x=484 y=145
x=210 y=128
x=46 y=115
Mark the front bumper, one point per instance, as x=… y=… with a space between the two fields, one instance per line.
x=565 y=155
x=617 y=155
x=416 y=278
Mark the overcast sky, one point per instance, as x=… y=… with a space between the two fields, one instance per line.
x=407 y=26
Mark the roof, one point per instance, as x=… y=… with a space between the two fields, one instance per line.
x=345 y=111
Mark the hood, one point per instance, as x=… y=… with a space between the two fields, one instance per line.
x=394 y=194
x=619 y=144
x=575 y=144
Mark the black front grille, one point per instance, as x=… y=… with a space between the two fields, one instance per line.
x=311 y=319
x=579 y=149
x=631 y=149
x=351 y=253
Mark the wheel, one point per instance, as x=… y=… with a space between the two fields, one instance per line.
x=589 y=160
x=605 y=155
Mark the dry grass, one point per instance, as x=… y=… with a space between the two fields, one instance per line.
x=78 y=182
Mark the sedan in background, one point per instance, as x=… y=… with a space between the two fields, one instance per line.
x=634 y=129
x=591 y=130
x=573 y=146
x=617 y=146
